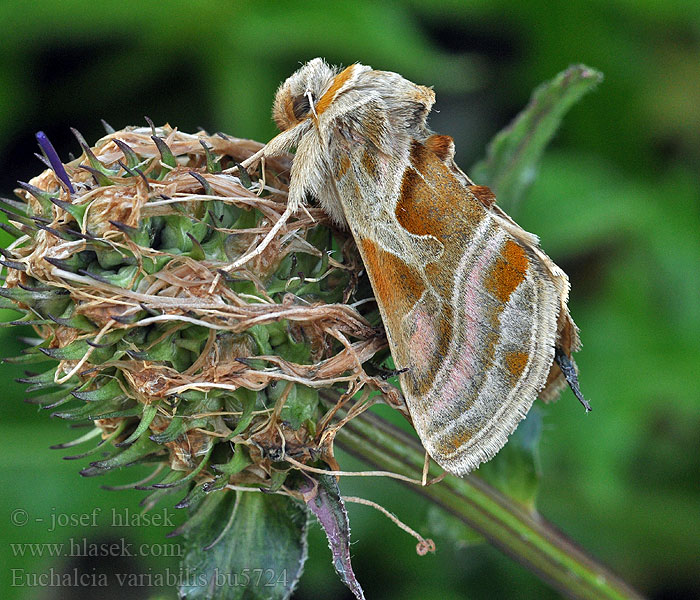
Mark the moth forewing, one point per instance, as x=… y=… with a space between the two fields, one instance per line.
x=472 y=307
x=469 y=310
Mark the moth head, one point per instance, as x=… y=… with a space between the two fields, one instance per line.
x=296 y=96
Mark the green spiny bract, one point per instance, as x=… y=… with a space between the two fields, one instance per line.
x=120 y=266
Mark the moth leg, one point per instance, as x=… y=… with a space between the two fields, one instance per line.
x=569 y=370
x=260 y=248
x=278 y=145
x=251 y=160
x=292 y=207
x=281 y=143
x=387 y=373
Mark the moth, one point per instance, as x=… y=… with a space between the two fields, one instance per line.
x=475 y=312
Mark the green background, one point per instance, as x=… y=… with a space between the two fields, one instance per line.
x=616 y=204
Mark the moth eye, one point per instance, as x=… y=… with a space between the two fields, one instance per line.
x=301 y=106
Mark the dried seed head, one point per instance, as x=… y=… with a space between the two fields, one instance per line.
x=119 y=269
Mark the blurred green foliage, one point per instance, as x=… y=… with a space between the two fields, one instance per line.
x=616 y=204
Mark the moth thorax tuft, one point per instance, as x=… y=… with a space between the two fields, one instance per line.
x=294 y=97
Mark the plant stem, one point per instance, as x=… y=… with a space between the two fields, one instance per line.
x=523 y=535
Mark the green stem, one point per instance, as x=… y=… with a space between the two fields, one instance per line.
x=524 y=536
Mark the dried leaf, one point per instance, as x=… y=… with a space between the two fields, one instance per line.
x=325 y=502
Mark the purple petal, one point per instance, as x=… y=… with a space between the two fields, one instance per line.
x=52 y=155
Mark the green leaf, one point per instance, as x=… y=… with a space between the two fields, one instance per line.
x=29 y=356
x=149 y=413
x=97 y=167
x=251 y=546
x=239 y=461
x=298 y=352
x=39 y=381
x=301 y=405
x=513 y=155
x=52 y=399
x=123 y=278
x=248 y=398
x=277 y=479
x=77 y=211
x=167 y=159
x=200 y=515
x=111 y=389
x=95 y=410
x=70 y=318
x=137 y=451
x=261 y=335
x=44 y=301
x=213 y=162
x=199 y=492
x=73 y=351
x=102 y=445
x=187 y=420
x=183 y=479
x=132 y=160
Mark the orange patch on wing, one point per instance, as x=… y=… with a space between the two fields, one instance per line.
x=483 y=194
x=516 y=363
x=393 y=281
x=447 y=446
x=432 y=202
x=421 y=157
x=343 y=166
x=442 y=145
x=412 y=211
x=508 y=271
x=397 y=288
x=338 y=82
x=369 y=162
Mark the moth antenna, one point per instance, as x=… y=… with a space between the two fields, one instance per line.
x=567 y=367
x=310 y=97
